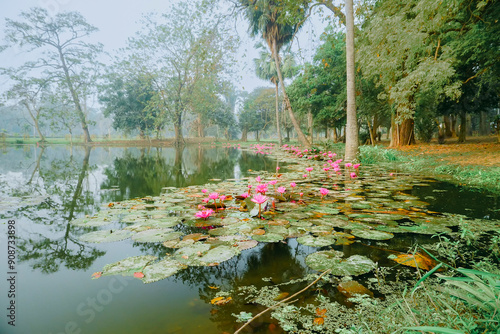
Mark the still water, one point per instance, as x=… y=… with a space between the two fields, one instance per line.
x=44 y=189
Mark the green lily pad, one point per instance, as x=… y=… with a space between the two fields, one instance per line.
x=106 y=236
x=372 y=234
x=353 y=266
x=156 y=235
x=268 y=237
x=128 y=266
x=320 y=241
x=152 y=224
x=204 y=255
x=160 y=270
x=92 y=221
x=176 y=243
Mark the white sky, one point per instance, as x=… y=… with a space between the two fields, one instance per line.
x=118 y=20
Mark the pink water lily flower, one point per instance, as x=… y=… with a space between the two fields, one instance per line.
x=261 y=188
x=293 y=184
x=258 y=179
x=277 y=168
x=353 y=175
x=309 y=169
x=204 y=214
x=273 y=182
x=348 y=164
x=323 y=192
x=259 y=199
x=244 y=195
x=356 y=166
x=281 y=190
x=213 y=196
x=204 y=191
x=222 y=198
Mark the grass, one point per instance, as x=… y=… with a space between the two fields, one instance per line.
x=472 y=176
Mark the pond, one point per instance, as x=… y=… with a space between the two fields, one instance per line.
x=49 y=192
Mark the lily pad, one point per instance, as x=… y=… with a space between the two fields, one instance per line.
x=320 y=241
x=106 y=236
x=160 y=270
x=152 y=224
x=372 y=234
x=128 y=266
x=268 y=237
x=203 y=255
x=92 y=221
x=354 y=265
x=156 y=235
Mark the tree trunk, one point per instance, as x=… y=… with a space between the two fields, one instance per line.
x=484 y=125
x=453 y=125
x=310 y=125
x=201 y=128
x=179 y=139
x=244 y=134
x=35 y=117
x=257 y=136
x=402 y=134
x=76 y=100
x=447 y=126
x=302 y=139
x=335 y=136
x=278 y=127
x=326 y=132
x=352 y=141
x=462 y=133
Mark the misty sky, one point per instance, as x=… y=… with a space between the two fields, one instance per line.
x=118 y=20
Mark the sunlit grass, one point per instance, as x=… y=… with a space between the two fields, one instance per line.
x=473 y=176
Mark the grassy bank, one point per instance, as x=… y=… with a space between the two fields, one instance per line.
x=476 y=176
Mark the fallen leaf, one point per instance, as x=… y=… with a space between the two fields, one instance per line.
x=138 y=274
x=258 y=231
x=216 y=299
x=320 y=312
x=353 y=288
x=96 y=275
x=318 y=321
x=213 y=287
x=281 y=296
x=420 y=260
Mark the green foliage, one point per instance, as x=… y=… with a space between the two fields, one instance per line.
x=258 y=110
x=130 y=103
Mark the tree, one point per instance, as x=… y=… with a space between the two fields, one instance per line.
x=257 y=112
x=351 y=141
x=263 y=18
x=184 y=46
x=60 y=113
x=265 y=68
x=65 y=55
x=128 y=100
x=28 y=92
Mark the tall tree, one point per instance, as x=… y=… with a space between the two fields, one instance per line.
x=177 y=50
x=265 y=68
x=61 y=42
x=351 y=141
x=263 y=18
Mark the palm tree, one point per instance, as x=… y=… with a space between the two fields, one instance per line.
x=265 y=68
x=263 y=18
